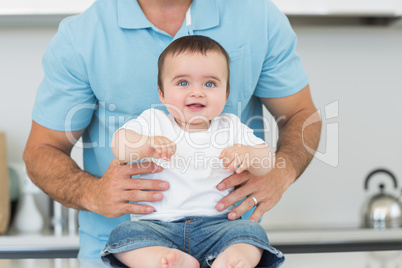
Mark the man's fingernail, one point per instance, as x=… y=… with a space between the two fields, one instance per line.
x=232 y=215
x=149 y=210
x=158 y=196
x=221 y=186
x=220 y=206
x=163 y=185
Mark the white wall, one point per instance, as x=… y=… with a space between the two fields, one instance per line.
x=359 y=67
x=339 y=6
x=21 y=51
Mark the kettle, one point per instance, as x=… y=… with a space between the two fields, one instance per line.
x=382 y=211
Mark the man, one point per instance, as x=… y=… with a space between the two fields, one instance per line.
x=100 y=69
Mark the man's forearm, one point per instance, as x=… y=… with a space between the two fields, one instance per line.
x=294 y=137
x=59 y=176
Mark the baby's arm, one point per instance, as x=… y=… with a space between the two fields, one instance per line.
x=129 y=146
x=258 y=159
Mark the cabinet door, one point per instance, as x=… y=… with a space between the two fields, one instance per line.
x=32 y=7
x=341 y=7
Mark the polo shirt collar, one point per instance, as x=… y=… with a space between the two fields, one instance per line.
x=130 y=15
x=204 y=15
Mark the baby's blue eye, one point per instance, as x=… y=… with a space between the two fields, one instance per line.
x=210 y=84
x=183 y=83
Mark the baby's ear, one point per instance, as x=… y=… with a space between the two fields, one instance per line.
x=161 y=95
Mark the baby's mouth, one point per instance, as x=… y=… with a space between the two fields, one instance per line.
x=195 y=107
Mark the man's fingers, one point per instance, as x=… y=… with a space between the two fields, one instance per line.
x=142 y=196
x=235 y=196
x=143 y=167
x=131 y=208
x=233 y=181
x=119 y=170
x=116 y=188
x=258 y=213
x=245 y=206
x=144 y=185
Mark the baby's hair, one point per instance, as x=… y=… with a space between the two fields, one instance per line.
x=192 y=44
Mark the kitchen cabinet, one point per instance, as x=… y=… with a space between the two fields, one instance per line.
x=49 y=13
x=43 y=7
x=371 y=8
x=290 y=7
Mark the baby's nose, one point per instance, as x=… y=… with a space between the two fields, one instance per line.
x=197 y=92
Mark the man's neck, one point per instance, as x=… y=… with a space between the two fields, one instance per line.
x=166 y=15
x=161 y=4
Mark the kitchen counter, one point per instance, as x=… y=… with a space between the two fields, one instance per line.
x=38 y=246
x=288 y=241
x=380 y=259
x=335 y=240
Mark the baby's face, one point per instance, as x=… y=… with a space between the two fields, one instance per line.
x=194 y=88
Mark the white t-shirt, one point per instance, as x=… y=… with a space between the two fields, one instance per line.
x=195 y=170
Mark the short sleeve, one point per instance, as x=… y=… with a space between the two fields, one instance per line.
x=142 y=124
x=247 y=136
x=282 y=72
x=242 y=133
x=65 y=100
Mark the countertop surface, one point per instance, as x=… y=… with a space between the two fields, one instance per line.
x=383 y=257
x=380 y=259
x=277 y=238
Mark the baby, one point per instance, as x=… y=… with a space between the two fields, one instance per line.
x=198 y=147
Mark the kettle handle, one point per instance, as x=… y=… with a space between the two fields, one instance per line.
x=372 y=173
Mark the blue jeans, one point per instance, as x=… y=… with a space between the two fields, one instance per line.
x=202 y=237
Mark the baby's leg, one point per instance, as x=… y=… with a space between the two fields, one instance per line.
x=239 y=256
x=157 y=257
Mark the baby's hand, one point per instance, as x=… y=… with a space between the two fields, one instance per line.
x=257 y=159
x=237 y=157
x=159 y=147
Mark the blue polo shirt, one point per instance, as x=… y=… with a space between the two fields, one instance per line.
x=101 y=71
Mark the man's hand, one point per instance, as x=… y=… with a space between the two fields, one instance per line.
x=267 y=190
x=116 y=188
x=291 y=113
x=49 y=165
